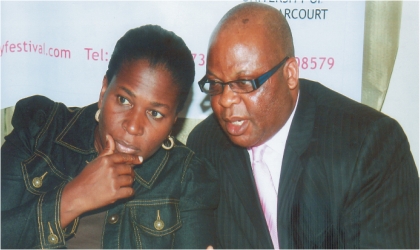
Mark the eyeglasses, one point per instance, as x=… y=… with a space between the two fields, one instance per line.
x=238 y=86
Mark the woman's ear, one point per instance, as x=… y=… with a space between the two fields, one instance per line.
x=291 y=71
x=103 y=90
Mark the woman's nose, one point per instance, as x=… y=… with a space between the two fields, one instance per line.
x=133 y=123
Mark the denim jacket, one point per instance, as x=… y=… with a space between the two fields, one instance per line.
x=51 y=144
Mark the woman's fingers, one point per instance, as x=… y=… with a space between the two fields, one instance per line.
x=103 y=181
x=109 y=146
x=121 y=158
x=125 y=192
x=125 y=180
x=123 y=169
x=117 y=157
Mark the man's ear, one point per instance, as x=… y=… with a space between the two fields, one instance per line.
x=291 y=72
x=103 y=90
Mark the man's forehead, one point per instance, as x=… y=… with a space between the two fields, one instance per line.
x=243 y=23
x=249 y=41
x=241 y=20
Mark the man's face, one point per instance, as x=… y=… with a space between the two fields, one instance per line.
x=249 y=119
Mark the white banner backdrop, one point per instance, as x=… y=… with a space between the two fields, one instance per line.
x=61 y=49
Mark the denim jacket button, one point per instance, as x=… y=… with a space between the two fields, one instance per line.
x=52 y=239
x=113 y=219
x=37 y=181
x=159 y=224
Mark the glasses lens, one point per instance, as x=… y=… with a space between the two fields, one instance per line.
x=213 y=88
x=242 y=86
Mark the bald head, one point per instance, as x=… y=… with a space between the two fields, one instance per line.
x=259 y=21
x=251 y=40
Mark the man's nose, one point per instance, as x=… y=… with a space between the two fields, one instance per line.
x=228 y=97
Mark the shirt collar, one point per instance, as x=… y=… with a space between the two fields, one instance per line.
x=281 y=136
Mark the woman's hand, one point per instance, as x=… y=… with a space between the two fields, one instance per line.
x=103 y=181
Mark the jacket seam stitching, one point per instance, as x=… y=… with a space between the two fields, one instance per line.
x=136 y=228
x=156 y=173
x=48 y=123
x=186 y=165
x=57 y=214
x=26 y=175
x=147 y=202
x=67 y=128
x=51 y=165
x=40 y=223
x=103 y=229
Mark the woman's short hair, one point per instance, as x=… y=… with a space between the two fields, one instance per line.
x=159 y=47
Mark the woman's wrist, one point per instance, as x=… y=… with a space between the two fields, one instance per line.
x=71 y=205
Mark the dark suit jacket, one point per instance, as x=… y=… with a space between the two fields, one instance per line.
x=348 y=179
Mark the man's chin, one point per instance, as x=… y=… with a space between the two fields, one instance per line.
x=241 y=140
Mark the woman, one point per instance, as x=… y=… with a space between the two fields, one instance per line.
x=111 y=167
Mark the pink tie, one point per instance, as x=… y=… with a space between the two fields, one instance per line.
x=266 y=190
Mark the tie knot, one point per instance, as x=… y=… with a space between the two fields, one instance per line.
x=258 y=152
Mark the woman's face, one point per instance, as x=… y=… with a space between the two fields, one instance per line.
x=138 y=109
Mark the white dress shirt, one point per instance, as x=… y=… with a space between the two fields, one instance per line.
x=277 y=143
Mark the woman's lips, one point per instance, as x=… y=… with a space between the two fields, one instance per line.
x=123 y=147
x=236 y=127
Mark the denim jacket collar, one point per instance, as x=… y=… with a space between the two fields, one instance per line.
x=83 y=122
x=149 y=171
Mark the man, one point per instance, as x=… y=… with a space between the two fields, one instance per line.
x=333 y=174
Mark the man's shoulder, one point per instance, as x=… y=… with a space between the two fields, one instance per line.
x=331 y=102
x=208 y=128
x=335 y=115
x=208 y=134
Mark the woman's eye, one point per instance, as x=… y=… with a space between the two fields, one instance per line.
x=155 y=114
x=123 y=100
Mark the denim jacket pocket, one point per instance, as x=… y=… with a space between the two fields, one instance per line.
x=155 y=221
x=39 y=175
x=44 y=180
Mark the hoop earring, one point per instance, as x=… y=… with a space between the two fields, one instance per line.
x=171 y=140
x=97 y=115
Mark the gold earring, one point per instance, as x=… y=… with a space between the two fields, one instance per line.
x=171 y=141
x=97 y=115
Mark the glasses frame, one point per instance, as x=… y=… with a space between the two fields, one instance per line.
x=256 y=83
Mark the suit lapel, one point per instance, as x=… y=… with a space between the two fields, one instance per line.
x=236 y=164
x=298 y=140
x=239 y=172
